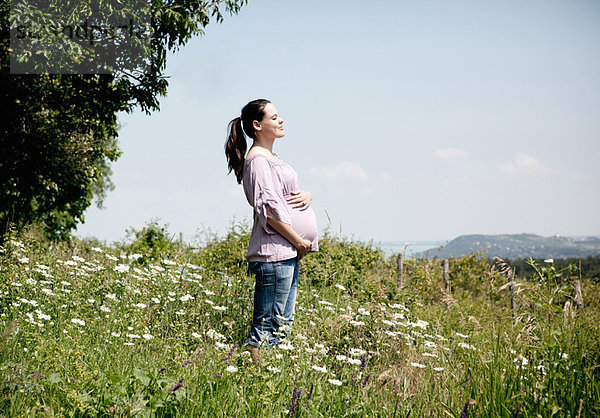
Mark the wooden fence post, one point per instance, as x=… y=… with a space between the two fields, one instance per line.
x=400 y=270
x=446 y=275
x=578 y=296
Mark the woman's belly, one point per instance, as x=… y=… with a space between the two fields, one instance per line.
x=304 y=222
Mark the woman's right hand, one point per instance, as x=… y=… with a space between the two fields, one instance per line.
x=303 y=247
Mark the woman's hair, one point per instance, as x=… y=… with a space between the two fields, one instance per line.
x=236 y=146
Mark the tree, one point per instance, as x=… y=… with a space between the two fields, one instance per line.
x=59 y=134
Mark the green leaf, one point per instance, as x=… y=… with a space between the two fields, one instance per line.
x=142 y=376
x=54 y=378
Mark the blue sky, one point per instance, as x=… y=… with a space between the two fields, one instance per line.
x=407 y=120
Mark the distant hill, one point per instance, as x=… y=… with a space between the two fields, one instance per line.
x=519 y=246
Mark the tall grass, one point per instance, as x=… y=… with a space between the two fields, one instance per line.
x=149 y=328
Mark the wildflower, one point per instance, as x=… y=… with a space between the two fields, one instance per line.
x=169 y=262
x=48 y=292
x=133 y=336
x=217 y=375
x=430 y=344
x=111 y=296
x=295 y=399
x=354 y=361
x=438 y=369
x=179 y=313
x=419 y=324
x=24 y=260
x=78 y=321
x=38 y=375
x=196 y=335
x=135 y=256
x=523 y=360
x=231 y=350
x=177 y=386
x=340 y=358
x=339 y=286
x=286 y=346
x=115 y=334
x=140 y=305
x=220 y=308
x=162 y=369
x=462 y=335
x=355 y=352
x=44 y=316
x=357 y=323
x=468 y=346
x=128 y=343
x=98 y=250
x=319 y=369
x=155 y=300
x=549 y=260
x=273 y=369
x=148 y=336
x=104 y=308
x=77 y=258
x=211 y=333
x=418 y=365
x=464 y=411
x=335 y=382
x=364 y=383
x=209 y=292
x=429 y=355
x=186 y=363
x=121 y=268
x=186 y=298
x=231 y=368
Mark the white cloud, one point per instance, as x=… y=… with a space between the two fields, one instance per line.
x=344 y=170
x=522 y=163
x=449 y=153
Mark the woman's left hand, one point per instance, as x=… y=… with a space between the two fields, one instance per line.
x=300 y=199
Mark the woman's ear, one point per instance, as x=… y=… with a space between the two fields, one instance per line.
x=256 y=125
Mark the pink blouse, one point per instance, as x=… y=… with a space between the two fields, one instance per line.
x=269 y=182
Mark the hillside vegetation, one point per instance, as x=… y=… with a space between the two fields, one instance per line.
x=520 y=246
x=148 y=328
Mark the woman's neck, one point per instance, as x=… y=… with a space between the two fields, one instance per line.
x=264 y=143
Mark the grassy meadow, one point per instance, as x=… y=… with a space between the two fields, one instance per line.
x=147 y=328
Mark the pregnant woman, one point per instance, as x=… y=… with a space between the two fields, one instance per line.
x=285 y=227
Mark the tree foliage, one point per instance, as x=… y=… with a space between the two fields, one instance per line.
x=59 y=134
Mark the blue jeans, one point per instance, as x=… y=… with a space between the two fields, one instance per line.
x=274 y=300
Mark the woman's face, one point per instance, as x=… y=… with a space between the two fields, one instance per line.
x=271 y=126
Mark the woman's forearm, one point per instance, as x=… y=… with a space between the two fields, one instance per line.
x=286 y=231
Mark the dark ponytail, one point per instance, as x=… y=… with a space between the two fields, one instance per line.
x=236 y=146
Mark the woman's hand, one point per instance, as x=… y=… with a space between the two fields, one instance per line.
x=303 y=247
x=300 y=199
